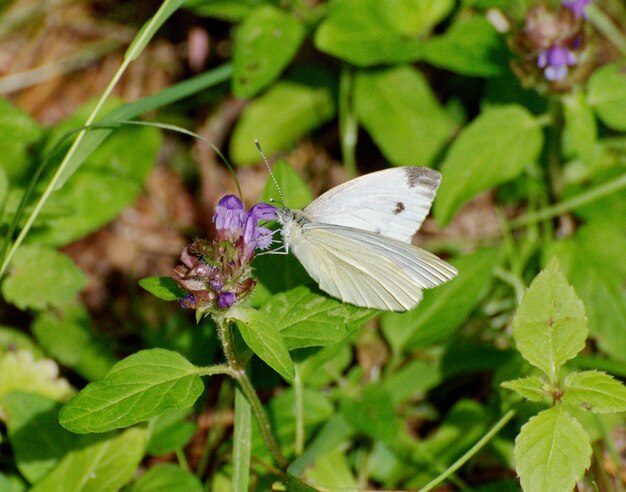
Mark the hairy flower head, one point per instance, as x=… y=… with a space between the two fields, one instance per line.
x=217 y=274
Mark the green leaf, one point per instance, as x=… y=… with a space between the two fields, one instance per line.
x=41 y=277
x=242 y=438
x=265 y=43
x=550 y=326
x=170 y=431
x=444 y=309
x=103 y=466
x=607 y=95
x=415 y=17
x=399 y=110
x=19 y=133
x=4 y=190
x=109 y=180
x=594 y=262
x=13 y=339
x=594 y=391
x=167 y=477
x=229 y=10
x=261 y=335
x=164 y=288
x=414 y=378
x=136 y=389
x=362 y=33
x=491 y=150
x=296 y=192
x=306 y=319
x=531 y=388
x=36 y=437
x=552 y=451
x=332 y=471
x=472 y=47
x=372 y=412
x=70 y=338
x=580 y=131
x=279 y=117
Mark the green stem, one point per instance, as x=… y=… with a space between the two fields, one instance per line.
x=603 y=24
x=347 y=122
x=299 y=397
x=471 y=452
x=225 y=333
x=601 y=191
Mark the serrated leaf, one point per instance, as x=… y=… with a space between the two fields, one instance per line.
x=594 y=262
x=136 y=389
x=472 y=47
x=444 y=309
x=550 y=326
x=295 y=191
x=491 y=150
x=265 y=43
x=164 y=288
x=594 y=391
x=104 y=466
x=261 y=335
x=399 y=110
x=530 y=388
x=306 y=319
x=167 y=477
x=41 y=277
x=362 y=32
x=607 y=95
x=286 y=112
x=36 y=437
x=551 y=452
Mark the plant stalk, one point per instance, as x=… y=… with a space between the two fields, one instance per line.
x=225 y=333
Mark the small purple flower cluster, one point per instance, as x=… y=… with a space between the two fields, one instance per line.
x=217 y=274
x=553 y=39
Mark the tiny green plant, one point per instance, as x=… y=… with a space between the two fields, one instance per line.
x=553 y=450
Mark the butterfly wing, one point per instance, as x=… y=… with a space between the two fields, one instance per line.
x=392 y=202
x=366 y=269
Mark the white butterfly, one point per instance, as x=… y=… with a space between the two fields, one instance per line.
x=355 y=239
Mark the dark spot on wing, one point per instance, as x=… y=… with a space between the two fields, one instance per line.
x=399 y=208
x=423 y=177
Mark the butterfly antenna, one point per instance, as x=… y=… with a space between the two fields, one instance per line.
x=267 y=164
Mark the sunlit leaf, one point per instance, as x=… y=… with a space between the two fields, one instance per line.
x=607 y=95
x=531 y=388
x=305 y=318
x=401 y=113
x=550 y=326
x=136 y=389
x=552 y=451
x=166 y=477
x=594 y=391
x=104 y=465
x=491 y=150
x=164 y=288
x=261 y=335
x=265 y=43
x=41 y=277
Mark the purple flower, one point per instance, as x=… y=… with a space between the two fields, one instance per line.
x=230 y=214
x=555 y=61
x=217 y=274
x=577 y=7
x=226 y=300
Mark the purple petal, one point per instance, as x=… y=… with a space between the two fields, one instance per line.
x=230 y=214
x=263 y=211
x=226 y=300
x=577 y=6
x=264 y=239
